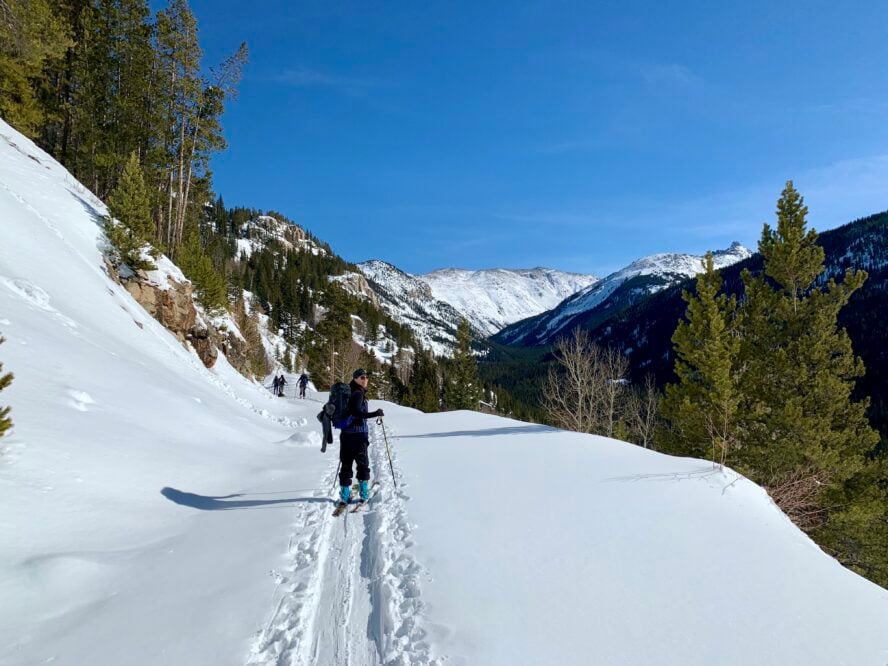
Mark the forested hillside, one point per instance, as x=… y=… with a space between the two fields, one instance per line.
x=126 y=102
x=645 y=330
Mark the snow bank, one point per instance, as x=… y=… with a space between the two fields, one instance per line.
x=541 y=546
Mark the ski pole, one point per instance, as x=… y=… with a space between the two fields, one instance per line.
x=337 y=474
x=389 y=453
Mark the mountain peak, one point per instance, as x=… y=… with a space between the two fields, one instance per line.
x=493 y=298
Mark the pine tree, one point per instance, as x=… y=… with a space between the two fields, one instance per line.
x=5 y=380
x=210 y=286
x=107 y=98
x=462 y=388
x=130 y=205
x=32 y=34
x=701 y=409
x=798 y=365
x=248 y=323
x=335 y=330
x=423 y=386
x=800 y=421
x=288 y=358
x=191 y=107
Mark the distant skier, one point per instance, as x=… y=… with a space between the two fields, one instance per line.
x=276 y=383
x=354 y=439
x=303 y=383
x=281 y=383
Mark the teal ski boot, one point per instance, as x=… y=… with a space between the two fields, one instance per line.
x=344 y=494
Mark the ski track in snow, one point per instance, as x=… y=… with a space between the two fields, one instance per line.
x=351 y=592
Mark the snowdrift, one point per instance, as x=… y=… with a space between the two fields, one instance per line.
x=155 y=512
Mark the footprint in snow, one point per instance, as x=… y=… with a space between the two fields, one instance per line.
x=31 y=293
x=79 y=400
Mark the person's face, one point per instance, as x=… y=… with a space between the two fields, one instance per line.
x=363 y=380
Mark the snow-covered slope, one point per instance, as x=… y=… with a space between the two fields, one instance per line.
x=409 y=300
x=559 y=548
x=122 y=447
x=643 y=276
x=155 y=512
x=494 y=298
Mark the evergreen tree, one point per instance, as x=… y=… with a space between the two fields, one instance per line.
x=248 y=323
x=462 y=388
x=701 y=408
x=335 y=331
x=798 y=365
x=106 y=96
x=5 y=380
x=800 y=419
x=130 y=205
x=783 y=391
x=423 y=388
x=32 y=35
x=192 y=107
x=288 y=358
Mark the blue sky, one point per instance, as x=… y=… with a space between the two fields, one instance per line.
x=576 y=135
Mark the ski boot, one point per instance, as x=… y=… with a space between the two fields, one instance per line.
x=364 y=490
x=344 y=495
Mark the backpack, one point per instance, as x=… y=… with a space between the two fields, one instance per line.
x=337 y=405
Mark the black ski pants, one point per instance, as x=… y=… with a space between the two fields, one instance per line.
x=353 y=449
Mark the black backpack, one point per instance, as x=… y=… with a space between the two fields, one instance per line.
x=335 y=412
x=337 y=405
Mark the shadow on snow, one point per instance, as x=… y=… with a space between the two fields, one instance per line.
x=226 y=502
x=510 y=430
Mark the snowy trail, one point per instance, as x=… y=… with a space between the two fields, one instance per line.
x=351 y=591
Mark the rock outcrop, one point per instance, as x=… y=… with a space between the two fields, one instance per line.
x=357 y=285
x=172 y=306
x=171 y=302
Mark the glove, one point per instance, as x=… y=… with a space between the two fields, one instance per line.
x=379 y=412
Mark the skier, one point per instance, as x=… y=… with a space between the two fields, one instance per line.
x=303 y=382
x=281 y=383
x=354 y=440
x=276 y=383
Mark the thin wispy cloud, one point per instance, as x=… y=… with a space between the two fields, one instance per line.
x=856 y=105
x=835 y=194
x=569 y=146
x=306 y=77
x=671 y=75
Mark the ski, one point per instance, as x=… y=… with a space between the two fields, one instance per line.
x=340 y=508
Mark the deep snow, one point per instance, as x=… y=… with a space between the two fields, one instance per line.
x=155 y=512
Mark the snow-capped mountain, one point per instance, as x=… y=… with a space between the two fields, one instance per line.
x=409 y=300
x=432 y=304
x=619 y=289
x=494 y=298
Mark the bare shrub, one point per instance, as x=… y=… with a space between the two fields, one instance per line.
x=797 y=494
x=642 y=412
x=583 y=392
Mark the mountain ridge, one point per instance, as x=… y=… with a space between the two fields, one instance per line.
x=620 y=289
x=433 y=303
